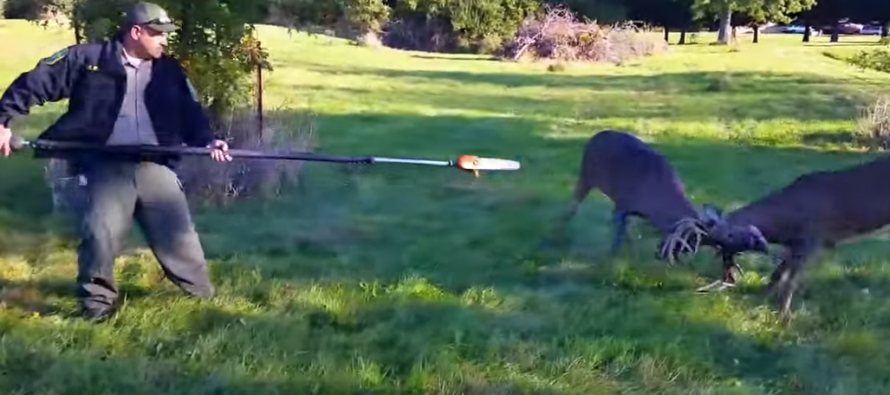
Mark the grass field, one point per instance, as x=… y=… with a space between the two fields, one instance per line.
x=399 y=279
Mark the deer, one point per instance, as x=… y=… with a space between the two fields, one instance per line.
x=816 y=210
x=641 y=182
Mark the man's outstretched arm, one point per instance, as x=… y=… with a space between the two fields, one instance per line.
x=49 y=81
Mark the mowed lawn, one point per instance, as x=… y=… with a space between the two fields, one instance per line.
x=392 y=279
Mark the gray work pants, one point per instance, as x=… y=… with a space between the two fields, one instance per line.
x=117 y=193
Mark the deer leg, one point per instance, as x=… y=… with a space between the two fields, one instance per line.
x=582 y=189
x=731 y=272
x=619 y=227
x=785 y=280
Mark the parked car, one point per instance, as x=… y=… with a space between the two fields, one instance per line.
x=794 y=29
x=871 y=30
x=799 y=29
x=844 y=28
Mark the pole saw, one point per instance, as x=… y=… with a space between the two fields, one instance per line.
x=471 y=163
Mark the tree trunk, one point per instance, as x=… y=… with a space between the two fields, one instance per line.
x=725 y=25
x=807 y=31
x=682 y=37
x=667 y=34
x=78 y=31
x=185 y=34
x=885 y=30
x=835 y=33
x=756 y=34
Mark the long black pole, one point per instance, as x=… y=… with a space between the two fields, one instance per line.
x=242 y=153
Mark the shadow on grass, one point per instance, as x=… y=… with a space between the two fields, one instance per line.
x=401 y=341
x=699 y=82
x=690 y=96
x=41 y=296
x=384 y=221
x=328 y=248
x=452 y=57
x=845 y=44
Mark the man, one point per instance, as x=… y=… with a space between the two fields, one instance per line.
x=123 y=91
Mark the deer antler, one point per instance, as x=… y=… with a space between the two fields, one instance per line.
x=684 y=231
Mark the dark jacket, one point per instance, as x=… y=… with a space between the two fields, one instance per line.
x=93 y=78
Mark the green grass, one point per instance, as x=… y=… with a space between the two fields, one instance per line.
x=400 y=279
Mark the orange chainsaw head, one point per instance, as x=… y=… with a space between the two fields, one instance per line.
x=469 y=163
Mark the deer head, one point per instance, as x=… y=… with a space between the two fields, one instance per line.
x=710 y=228
x=732 y=238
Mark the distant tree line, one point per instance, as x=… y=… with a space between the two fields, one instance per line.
x=478 y=24
x=218 y=49
x=481 y=25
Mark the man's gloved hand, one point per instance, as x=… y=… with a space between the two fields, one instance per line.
x=5 y=140
x=220 y=154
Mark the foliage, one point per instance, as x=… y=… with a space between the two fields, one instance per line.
x=873 y=126
x=876 y=59
x=225 y=183
x=601 y=11
x=476 y=25
x=675 y=14
x=758 y=11
x=779 y=11
x=367 y=15
x=357 y=16
x=218 y=49
x=23 y=9
x=557 y=35
x=416 y=280
x=469 y=25
x=305 y=13
x=215 y=43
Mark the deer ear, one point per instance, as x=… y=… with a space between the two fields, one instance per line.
x=755 y=230
x=711 y=214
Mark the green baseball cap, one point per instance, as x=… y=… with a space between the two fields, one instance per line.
x=151 y=15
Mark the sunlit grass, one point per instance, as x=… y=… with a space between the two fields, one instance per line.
x=399 y=279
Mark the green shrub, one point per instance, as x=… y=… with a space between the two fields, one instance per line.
x=877 y=59
x=873 y=125
x=23 y=9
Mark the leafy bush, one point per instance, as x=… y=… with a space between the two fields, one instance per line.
x=426 y=25
x=877 y=59
x=215 y=183
x=217 y=47
x=873 y=126
x=421 y=34
x=557 y=35
x=483 y=25
x=23 y=9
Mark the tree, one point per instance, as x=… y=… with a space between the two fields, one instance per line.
x=830 y=12
x=214 y=43
x=723 y=9
x=602 y=11
x=759 y=12
x=669 y=14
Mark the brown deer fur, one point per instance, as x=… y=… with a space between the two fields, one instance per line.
x=641 y=182
x=816 y=210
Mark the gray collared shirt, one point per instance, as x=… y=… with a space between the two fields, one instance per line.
x=133 y=125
